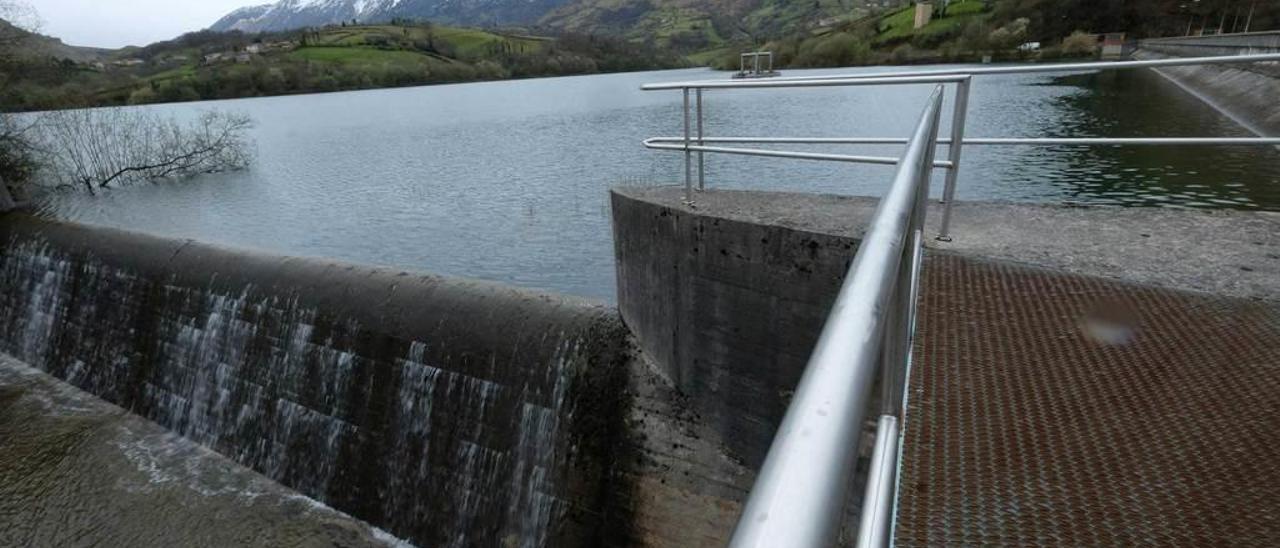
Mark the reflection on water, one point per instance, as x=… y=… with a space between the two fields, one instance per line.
x=508 y=180
x=1142 y=104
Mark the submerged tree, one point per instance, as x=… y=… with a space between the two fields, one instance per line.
x=17 y=153
x=100 y=148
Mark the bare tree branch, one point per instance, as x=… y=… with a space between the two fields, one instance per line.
x=99 y=148
x=19 y=20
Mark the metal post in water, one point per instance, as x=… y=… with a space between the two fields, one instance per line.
x=957 y=145
x=702 y=176
x=688 y=158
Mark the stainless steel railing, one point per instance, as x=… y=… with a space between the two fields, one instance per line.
x=799 y=494
x=798 y=498
x=697 y=143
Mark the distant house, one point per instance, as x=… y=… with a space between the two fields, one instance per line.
x=244 y=58
x=924 y=14
x=128 y=62
x=213 y=58
x=253 y=48
x=1113 y=45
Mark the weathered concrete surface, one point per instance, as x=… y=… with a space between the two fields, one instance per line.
x=727 y=297
x=677 y=484
x=78 y=471
x=1243 y=43
x=728 y=308
x=448 y=412
x=1245 y=92
x=1224 y=252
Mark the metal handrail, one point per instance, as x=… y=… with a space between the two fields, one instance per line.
x=799 y=495
x=662 y=143
x=798 y=498
x=989 y=71
x=692 y=144
x=656 y=144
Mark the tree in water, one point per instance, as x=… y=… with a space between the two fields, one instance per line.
x=18 y=160
x=100 y=148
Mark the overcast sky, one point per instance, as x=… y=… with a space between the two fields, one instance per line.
x=117 y=23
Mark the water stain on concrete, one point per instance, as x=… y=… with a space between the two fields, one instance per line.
x=78 y=471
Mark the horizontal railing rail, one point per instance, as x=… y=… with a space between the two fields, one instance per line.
x=982 y=71
x=663 y=143
x=856 y=159
x=696 y=144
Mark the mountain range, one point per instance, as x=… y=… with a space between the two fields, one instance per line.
x=686 y=24
x=293 y=14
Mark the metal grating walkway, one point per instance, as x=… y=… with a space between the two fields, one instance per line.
x=1025 y=429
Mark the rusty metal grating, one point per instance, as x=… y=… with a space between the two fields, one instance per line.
x=1030 y=425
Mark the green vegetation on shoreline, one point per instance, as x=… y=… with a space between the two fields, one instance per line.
x=209 y=65
x=603 y=36
x=967 y=31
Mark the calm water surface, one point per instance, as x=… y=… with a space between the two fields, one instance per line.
x=508 y=181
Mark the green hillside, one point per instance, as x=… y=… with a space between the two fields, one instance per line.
x=210 y=65
x=899 y=25
x=692 y=27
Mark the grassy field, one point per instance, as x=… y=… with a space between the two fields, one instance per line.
x=358 y=55
x=899 y=24
x=706 y=57
x=466 y=43
x=387 y=47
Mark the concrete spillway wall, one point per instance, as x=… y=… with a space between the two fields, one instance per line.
x=729 y=310
x=449 y=412
x=1246 y=92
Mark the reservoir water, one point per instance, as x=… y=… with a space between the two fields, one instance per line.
x=508 y=181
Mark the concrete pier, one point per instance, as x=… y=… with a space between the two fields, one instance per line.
x=1224 y=252
x=1031 y=316
x=727 y=297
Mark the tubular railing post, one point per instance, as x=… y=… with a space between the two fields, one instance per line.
x=954 y=151
x=876 y=524
x=688 y=158
x=702 y=177
x=875 y=528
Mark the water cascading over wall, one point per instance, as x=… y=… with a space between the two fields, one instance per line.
x=449 y=412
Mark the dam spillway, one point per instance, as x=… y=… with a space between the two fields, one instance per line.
x=447 y=412
x=452 y=412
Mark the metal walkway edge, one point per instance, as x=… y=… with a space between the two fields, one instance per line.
x=1032 y=422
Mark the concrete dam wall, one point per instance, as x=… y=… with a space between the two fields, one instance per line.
x=448 y=412
x=1246 y=92
x=728 y=307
